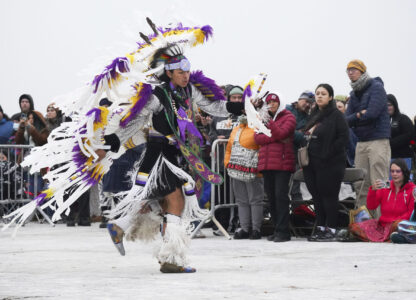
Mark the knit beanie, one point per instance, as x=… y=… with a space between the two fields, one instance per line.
x=357 y=64
x=342 y=98
x=236 y=91
x=272 y=97
x=307 y=95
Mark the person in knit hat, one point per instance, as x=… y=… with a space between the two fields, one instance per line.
x=220 y=128
x=368 y=117
x=54 y=116
x=300 y=109
x=248 y=193
x=277 y=163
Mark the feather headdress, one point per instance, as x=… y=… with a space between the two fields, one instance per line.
x=70 y=151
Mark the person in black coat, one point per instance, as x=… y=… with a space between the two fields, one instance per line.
x=328 y=138
x=402 y=132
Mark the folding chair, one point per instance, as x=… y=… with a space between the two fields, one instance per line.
x=298 y=176
x=352 y=175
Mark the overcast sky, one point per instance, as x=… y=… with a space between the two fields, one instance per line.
x=49 y=48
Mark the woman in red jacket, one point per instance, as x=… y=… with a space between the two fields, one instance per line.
x=276 y=163
x=396 y=203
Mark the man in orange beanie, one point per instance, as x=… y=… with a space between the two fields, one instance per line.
x=368 y=117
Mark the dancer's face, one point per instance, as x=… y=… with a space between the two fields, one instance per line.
x=179 y=77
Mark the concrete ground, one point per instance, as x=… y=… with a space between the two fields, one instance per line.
x=81 y=263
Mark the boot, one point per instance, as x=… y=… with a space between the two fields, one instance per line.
x=172 y=268
x=174 y=244
x=116 y=234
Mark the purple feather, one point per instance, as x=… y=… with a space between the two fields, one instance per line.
x=97 y=113
x=144 y=96
x=247 y=92
x=206 y=85
x=208 y=31
x=119 y=64
x=40 y=199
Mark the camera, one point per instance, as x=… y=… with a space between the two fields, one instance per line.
x=23 y=116
x=386 y=185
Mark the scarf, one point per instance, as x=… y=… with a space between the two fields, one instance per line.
x=361 y=83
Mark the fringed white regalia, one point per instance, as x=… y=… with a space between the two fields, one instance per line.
x=71 y=149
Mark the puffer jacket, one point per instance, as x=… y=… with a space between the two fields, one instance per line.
x=246 y=141
x=375 y=123
x=393 y=207
x=276 y=152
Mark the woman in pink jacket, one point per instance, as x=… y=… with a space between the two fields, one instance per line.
x=276 y=163
x=396 y=203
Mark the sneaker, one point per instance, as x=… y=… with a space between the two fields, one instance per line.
x=199 y=235
x=104 y=222
x=84 y=223
x=326 y=236
x=315 y=235
x=218 y=233
x=270 y=238
x=103 y=225
x=397 y=238
x=281 y=238
x=241 y=234
x=255 y=235
x=172 y=268
x=70 y=223
x=116 y=234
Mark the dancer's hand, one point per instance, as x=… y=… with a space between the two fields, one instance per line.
x=145 y=209
x=101 y=154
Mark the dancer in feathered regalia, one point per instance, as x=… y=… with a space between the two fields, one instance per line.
x=166 y=95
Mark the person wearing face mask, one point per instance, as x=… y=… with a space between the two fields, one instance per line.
x=328 y=134
x=248 y=194
x=277 y=163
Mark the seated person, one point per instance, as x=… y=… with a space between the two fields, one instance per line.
x=406 y=232
x=396 y=202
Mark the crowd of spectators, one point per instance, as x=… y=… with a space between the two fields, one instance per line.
x=364 y=129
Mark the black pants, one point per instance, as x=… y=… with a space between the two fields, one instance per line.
x=80 y=209
x=167 y=182
x=276 y=186
x=323 y=180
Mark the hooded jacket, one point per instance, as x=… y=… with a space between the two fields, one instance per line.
x=401 y=132
x=393 y=207
x=39 y=123
x=39 y=137
x=276 y=152
x=301 y=119
x=374 y=124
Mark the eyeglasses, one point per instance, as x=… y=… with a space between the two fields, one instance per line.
x=351 y=70
x=395 y=171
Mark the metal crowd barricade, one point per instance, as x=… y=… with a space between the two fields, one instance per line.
x=225 y=198
x=17 y=186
